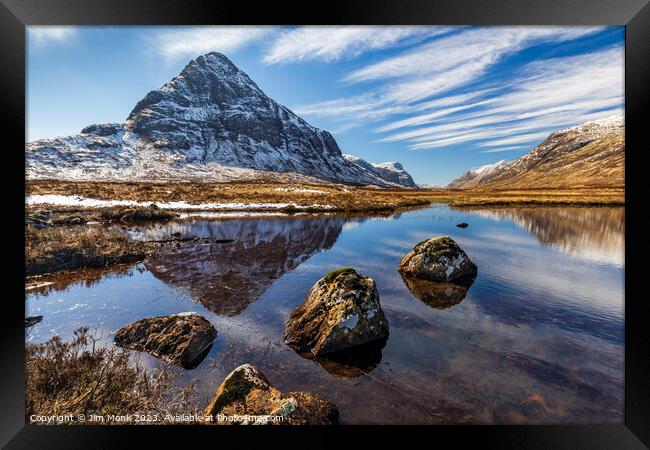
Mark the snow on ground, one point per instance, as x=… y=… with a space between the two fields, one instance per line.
x=311 y=191
x=75 y=200
x=236 y=214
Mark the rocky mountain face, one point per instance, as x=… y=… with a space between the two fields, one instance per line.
x=588 y=155
x=210 y=123
x=389 y=171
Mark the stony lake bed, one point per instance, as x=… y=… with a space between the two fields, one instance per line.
x=537 y=338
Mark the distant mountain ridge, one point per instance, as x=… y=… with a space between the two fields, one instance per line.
x=478 y=175
x=390 y=171
x=591 y=154
x=210 y=123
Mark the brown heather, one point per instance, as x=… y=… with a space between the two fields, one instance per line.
x=59 y=248
x=80 y=377
x=342 y=198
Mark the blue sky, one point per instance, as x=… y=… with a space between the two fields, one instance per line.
x=438 y=99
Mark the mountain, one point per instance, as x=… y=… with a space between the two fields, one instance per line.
x=478 y=175
x=588 y=155
x=390 y=171
x=210 y=123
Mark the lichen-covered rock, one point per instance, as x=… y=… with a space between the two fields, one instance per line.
x=439 y=295
x=438 y=259
x=341 y=311
x=183 y=339
x=247 y=398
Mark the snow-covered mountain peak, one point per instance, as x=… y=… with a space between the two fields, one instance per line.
x=394 y=165
x=597 y=128
x=209 y=121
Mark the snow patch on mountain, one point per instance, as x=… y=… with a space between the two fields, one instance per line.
x=597 y=128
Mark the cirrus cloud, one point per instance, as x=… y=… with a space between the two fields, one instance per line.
x=327 y=43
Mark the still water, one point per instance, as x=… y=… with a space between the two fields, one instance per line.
x=539 y=337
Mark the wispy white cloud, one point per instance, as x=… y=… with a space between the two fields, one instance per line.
x=376 y=106
x=449 y=63
x=330 y=43
x=190 y=42
x=543 y=95
x=41 y=35
x=477 y=48
x=556 y=93
x=430 y=116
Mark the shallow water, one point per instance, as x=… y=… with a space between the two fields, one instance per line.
x=537 y=339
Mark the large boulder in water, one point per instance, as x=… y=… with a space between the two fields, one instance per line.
x=341 y=311
x=246 y=397
x=183 y=339
x=438 y=259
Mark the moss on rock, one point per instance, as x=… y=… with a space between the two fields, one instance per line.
x=335 y=273
x=235 y=388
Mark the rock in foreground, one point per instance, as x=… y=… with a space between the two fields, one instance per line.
x=438 y=259
x=183 y=339
x=341 y=311
x=247 y=398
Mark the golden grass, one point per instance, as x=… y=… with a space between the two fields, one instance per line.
x=605 y=196
x=53 y=249
x=315 y=196
x=79 y=377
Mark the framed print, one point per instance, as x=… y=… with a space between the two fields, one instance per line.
x=376 y=219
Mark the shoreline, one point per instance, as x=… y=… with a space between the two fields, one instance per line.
x=294 y=197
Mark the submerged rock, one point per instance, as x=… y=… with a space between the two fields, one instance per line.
x=439 y=295
x=183 y=339
x=246 y=397
x=341 y=311
x=438 y=259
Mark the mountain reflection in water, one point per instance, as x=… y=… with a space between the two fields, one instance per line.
x=227 y=277
x=595 y=233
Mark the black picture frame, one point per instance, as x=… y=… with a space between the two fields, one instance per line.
x=633 y=14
